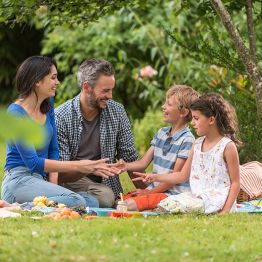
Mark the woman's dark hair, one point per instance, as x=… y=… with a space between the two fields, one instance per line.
x=31 y=71
x=215 y=105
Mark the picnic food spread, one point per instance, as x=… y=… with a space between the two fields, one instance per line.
x=42 y=201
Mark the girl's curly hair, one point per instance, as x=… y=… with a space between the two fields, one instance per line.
x=213 y=104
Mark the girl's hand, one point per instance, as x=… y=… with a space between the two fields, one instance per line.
x=140 y=192
x=144 y=177
x=223 y=212
x=97 y=167
x=53 y=177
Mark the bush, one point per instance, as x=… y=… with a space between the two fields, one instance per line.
x=250 y=126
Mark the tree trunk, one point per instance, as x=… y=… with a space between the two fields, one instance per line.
x=252 y=67
x=251 y=31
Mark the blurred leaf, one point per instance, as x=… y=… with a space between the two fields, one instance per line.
x=23 y=129
x=154 y=50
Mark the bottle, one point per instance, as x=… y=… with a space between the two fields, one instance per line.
x=121 y=206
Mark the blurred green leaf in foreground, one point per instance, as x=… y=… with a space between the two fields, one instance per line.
x=23 y=129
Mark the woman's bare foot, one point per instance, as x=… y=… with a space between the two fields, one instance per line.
x=4 y=204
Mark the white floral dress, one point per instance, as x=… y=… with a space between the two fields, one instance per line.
x=209 y=177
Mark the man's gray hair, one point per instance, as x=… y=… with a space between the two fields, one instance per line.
x=91 y=69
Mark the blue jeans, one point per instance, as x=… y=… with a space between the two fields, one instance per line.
x=22 y=186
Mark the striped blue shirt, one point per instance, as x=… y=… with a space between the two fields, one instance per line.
x=167 y=148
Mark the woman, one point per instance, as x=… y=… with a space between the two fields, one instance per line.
x=27 y=169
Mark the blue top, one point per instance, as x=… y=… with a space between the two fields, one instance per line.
x=18 y=154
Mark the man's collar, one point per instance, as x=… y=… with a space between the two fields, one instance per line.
x=76 y=103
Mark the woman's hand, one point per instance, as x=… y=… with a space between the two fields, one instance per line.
x=53 y=177
x=146 y=178
x=97 y=167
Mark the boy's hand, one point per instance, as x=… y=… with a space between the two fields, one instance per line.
x=146 y=178
x=120 y=165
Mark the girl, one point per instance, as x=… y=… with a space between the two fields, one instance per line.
x=213 y=165
x=27 y=169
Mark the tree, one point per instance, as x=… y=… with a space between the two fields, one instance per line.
x=58 y=12
x=248 y=57
x=198 y=53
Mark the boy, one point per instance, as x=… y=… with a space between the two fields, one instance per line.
x=169 y=150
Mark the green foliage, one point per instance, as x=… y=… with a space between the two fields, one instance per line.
x=250 y=126
x=57 y=12
x=182 y=40
x=144 y=129
x=203 y=37
x=134 y=38
x=131 y=40
x=17 y=43
x=22 y=129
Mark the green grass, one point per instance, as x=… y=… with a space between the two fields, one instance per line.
x=234 y=237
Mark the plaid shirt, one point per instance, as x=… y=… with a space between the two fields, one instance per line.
x=116 y=138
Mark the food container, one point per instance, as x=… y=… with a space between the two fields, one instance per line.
x=121 y=206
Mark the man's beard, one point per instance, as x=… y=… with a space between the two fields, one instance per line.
x=94 y=102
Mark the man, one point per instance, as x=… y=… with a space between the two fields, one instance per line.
x=93 y=126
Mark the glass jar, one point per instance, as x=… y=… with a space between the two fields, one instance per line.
x=121 y=206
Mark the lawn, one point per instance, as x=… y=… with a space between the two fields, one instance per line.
x=234 y=237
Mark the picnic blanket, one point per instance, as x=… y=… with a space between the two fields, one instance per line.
x=253 y=206
x=103 y=212
x=4 y=212
x=108 y=211
x=251 y=179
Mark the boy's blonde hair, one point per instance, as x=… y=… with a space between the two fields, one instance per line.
x=184 y=95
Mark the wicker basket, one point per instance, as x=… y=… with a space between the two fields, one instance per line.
x=242 y=196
